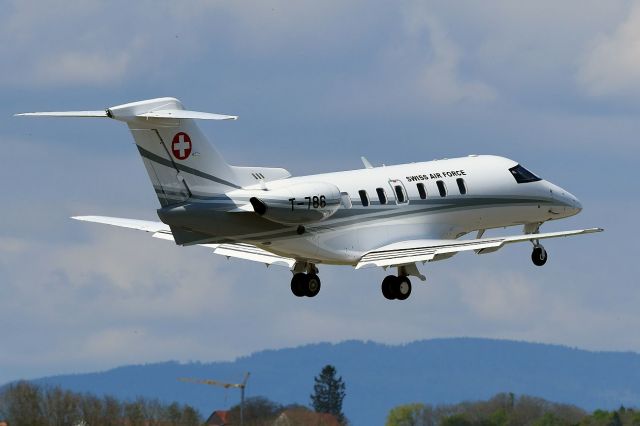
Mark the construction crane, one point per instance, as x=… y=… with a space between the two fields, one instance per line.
x=240 y=386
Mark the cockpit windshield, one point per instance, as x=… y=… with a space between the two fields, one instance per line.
x=522 y=175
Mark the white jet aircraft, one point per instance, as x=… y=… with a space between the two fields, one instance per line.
x=393 y=216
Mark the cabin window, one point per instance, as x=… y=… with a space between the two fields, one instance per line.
x=441 y=188
x=461 y=186
x=382 y=195
x=422 y=190
x=401 y=195
x=364 y=197
x=522 y=175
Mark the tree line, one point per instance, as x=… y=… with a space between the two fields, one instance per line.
x=327 y=397
x=507 y=409
x=24 y=403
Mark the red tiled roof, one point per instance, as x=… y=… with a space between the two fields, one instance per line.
x=218 y=418
x=303 y=416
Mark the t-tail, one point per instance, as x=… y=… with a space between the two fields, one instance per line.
x=181 y=163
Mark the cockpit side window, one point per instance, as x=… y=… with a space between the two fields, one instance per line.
x=522 y=175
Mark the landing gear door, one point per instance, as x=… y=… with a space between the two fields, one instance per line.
x=399 y=191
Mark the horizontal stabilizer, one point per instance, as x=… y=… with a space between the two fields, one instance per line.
x=184 y=114
x=161 y=108
x=177 y=114
x=82 y=114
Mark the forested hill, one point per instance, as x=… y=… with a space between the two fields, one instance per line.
x=379 y=377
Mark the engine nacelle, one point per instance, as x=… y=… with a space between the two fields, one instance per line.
x=298 y=204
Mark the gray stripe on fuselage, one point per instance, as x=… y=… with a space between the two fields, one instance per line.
x=199 y=197
x=447 y=206
x=157 y=159
x=351 y=217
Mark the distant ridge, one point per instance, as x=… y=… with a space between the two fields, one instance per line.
x=379 y=377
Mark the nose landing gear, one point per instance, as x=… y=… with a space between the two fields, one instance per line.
x=539 y=255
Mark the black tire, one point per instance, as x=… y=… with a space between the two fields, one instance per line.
x=402 y=288
x=388 y=285
x=539 y=256
x=312 y=287
x=299 y=284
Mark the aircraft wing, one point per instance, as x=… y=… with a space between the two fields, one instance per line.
x=412 y=251
x=162 y=231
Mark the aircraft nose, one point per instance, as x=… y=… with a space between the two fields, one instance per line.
x=577 y=204
x=569 y=202
x=572 y=203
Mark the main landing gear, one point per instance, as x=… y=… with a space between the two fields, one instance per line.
x=305 y=283
x=399 y=286
x=396 y=287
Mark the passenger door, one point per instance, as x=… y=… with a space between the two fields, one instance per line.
x=399 y=191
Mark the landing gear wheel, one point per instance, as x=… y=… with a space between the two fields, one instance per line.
x=298 y=284
x=388 y=285
x=402 y=288
x=539 y=256
x=312 y=287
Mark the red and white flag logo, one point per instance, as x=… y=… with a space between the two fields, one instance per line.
x=181 y=146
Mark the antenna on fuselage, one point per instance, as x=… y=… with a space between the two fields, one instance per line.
x=367 y=164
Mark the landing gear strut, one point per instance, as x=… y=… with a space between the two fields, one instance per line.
x=539 y=255
x=394 y=287
x=305 y=284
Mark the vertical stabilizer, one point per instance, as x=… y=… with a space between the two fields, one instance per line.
x=180 y=161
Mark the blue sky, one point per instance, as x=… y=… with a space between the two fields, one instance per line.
x=316 y=85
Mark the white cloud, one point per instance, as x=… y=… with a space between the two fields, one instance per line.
x=500 y=296
x=439 y=77
x=611 y=65
x=101 y=301
x=268 y=26
x=46 y=44
x=83 y=67
x=94 y=43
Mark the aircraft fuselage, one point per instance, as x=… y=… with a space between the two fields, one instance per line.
x=458 y=196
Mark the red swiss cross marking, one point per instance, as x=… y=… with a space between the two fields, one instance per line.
x=181 y=146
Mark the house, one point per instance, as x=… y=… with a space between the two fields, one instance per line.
x=303 y=417
x=218 y=418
